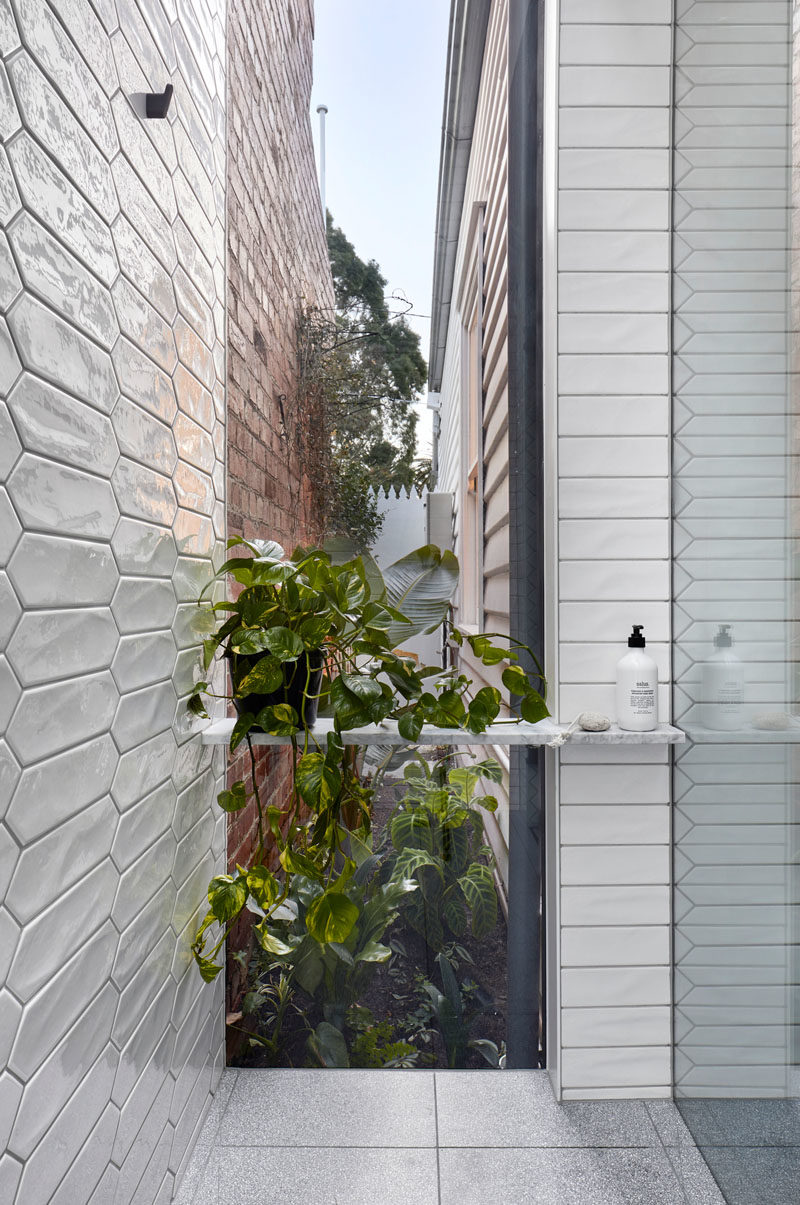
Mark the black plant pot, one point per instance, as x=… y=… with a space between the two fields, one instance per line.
x=294 y=692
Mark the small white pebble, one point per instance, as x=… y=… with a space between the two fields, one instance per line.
x=594 y=721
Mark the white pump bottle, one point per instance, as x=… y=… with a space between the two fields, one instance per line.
x=637 y=686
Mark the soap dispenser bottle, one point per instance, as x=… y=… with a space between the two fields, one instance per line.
x=637 y=686
x=723 y=685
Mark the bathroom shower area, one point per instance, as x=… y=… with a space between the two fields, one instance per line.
x=736 y=519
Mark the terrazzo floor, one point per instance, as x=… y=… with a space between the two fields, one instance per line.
x=436 y=1138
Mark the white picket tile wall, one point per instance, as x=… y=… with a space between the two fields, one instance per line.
x=736 y=887
x=613 y=259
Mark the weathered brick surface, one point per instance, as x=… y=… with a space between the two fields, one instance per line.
x=277 y=262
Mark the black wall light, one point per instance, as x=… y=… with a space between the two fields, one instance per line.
x=157 y=103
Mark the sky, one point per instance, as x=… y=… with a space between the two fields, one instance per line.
x=379 y=66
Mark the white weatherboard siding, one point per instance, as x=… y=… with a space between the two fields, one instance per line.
x=609 y=865
x=112 y=444
x=487 y=185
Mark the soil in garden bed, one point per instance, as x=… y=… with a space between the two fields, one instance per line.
x=395 y=1008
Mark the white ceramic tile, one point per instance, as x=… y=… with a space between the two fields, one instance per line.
x=584 y=334
x=593 y=497
x=51 y=718
x=624 y=580
x=590 y=126
x=630 y=539
x=634 y=945
x=614 y=374
x=593 y=987
x=49 y=571
x=609 y=621
x=55 y=498
x=613 y=292
x=597 y=1027
x=48 y=645
x=616 y=44
x=646 y=168
x=628 y=1066
x=49 y=867
x=614 y=86
x=607 y=865
x=618 y=824
x=616 y=11
x=615 y=784
x=615 y=458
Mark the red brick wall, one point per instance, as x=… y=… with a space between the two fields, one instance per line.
x=277 y=260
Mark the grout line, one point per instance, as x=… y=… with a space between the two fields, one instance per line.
x=436 y=1129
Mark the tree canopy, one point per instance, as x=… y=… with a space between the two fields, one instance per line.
x=372 y=370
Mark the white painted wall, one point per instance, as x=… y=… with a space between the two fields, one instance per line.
x=608 y=403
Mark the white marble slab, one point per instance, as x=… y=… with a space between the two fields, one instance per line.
x=514 y=732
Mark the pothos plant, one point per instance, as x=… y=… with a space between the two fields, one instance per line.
x=310 y=878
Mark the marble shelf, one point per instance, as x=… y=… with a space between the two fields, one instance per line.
x=509 y=733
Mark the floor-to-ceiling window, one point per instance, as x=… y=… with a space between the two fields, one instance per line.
x=736 y=267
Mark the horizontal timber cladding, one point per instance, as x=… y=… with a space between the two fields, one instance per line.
x=487 y=186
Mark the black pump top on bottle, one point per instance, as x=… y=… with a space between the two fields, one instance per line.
x=723 y=638
x=636 y=640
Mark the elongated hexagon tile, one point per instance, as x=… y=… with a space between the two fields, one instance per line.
x=143 y=325
x=143 y=604
x=10 y=691
x=59 y=57
x=54 y=717
x=143 y=157
x=10 y=1013
x=56 y=498
x=9 y=34
x=138 y=263
x=88 y=1166
x=10 y=1175
x=144 y=494
x=144 y=823
x=9 y=855
x=49 y=571
x=10 y=446
x=61 y=354
x=55 y=128
x=48 y=193
x=9 y=197
x=61 y=281
x=144 y=548
x=55 y=1009
x=143 y=213
x=143 y=437
x=142 y=659
x=10 y=529
x=44 y=1169
x=56 y=644
x=57 y=933
x=10 y=283
x=10 y=1096
x=143 y=714
x=54 y=424
x=53 y=864
x=9 y=360
x=143 y=769
x=9 y=777
x=143 y=381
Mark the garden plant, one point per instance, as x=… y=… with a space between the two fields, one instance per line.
x=319 y=632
